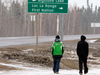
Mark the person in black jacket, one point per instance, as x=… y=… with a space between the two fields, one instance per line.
x=82 y=52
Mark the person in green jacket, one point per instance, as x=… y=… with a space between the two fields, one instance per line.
x=57 y=50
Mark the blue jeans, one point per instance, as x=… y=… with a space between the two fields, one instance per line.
x=56 y=63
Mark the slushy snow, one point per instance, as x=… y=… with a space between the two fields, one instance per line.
x=43 y=71
x=48 y=72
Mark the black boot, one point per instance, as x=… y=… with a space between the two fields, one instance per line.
x=86 y=71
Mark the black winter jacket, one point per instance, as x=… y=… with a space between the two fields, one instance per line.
x=82 y=47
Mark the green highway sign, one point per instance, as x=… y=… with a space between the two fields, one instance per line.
x=48 y=6
x=49 y=1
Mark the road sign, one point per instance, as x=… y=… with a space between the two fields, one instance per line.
x=48 y=6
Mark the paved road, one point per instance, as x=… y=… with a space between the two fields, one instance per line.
x=7 y=41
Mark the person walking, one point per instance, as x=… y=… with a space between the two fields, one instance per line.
x=57 y=51
x=82 y=52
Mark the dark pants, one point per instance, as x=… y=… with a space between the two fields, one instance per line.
x=83 y=60
x=56 y=64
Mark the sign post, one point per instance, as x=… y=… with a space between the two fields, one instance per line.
x=62 y=28
x=47 y=6
x=36 y=32
x=57 y=23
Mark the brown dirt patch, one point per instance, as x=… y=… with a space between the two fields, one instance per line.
x=71 y=64
x=98 y=40
x=43 y=56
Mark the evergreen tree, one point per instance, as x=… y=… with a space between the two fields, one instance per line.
x=82 y=16
x=16 y=13
x=0 y=6
x=98 y=21
x=98 y=15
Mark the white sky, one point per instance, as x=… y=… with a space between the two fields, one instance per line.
x=80 y=3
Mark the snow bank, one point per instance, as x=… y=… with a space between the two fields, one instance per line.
x=91 y=41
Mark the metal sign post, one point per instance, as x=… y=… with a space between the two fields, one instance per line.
x=57 y=23
x=62 y=28
x=36 y=32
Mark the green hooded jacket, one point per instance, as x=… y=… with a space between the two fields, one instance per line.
x=57 y=49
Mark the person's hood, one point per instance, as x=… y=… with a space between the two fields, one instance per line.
x=83 y=38
x=57 y=40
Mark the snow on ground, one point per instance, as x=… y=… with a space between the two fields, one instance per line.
x=47 y=72
x=43 y=71
x=19 y=66
x=91 y=41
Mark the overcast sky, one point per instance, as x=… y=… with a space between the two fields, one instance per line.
x=80 y=3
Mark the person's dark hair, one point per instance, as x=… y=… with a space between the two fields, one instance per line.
x=83 y=37
x=57 y=37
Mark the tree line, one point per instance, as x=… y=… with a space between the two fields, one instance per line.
x=16 y=21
